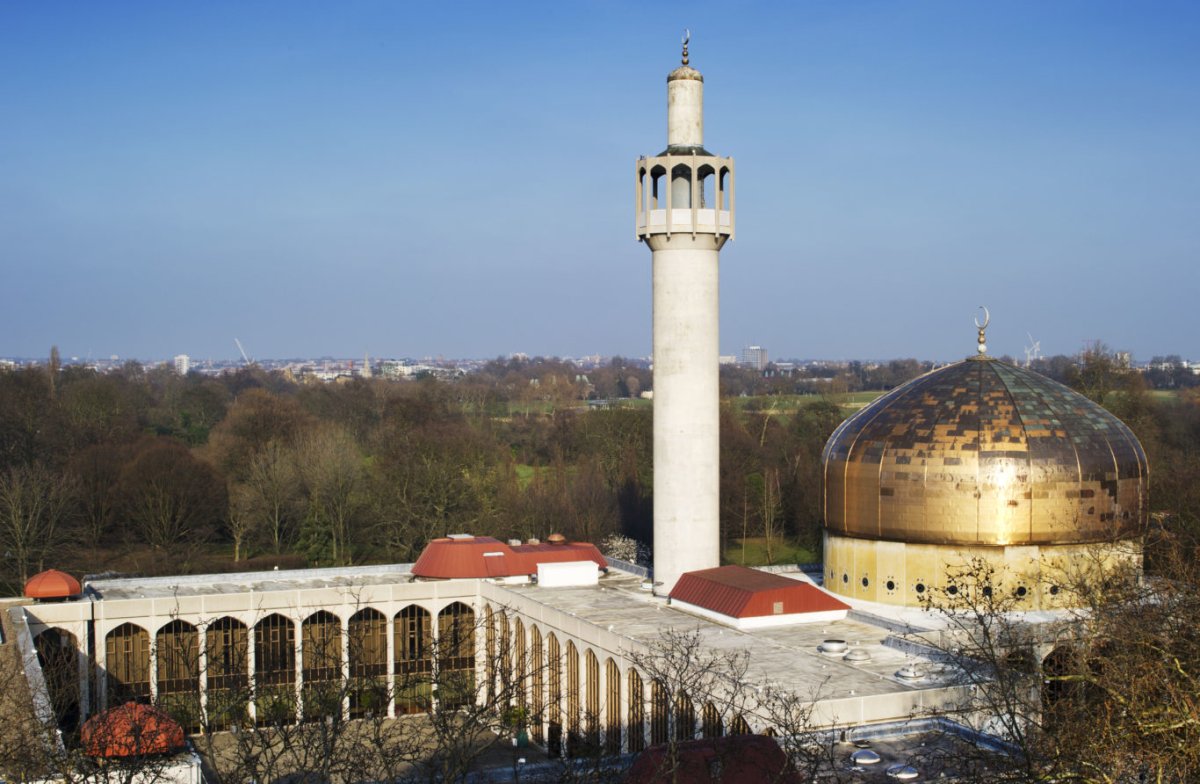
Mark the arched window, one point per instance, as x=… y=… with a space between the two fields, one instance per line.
x=321 y=653
x=739 y=726
x=612 y=708
x=681 y=187
x=368 y=633
x=413 y=663
x=520 y=673
x=685 y=717
x=127 y=662
x=1055 y=690
x=637 y=713
x=489 y=652
x=710 y=721
x=504 y=659
x=58 y=655
x=659 y=713
x=592 y=712
x=706 y=176
x=554 y=699
x=455 y=674
x=573 y=698
x=723 y=194
x=658 y=196
x=537 y=706
x=275 y=670
x=177 y=649
x=227 y=691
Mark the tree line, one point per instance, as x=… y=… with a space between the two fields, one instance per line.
x=142 y=470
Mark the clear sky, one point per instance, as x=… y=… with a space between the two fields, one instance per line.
x=451 y=178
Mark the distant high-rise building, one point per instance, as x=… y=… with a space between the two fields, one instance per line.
x=366 y=368
x=183 y=363
x=755 y=357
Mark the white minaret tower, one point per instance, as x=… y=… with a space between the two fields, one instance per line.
x=684 y=206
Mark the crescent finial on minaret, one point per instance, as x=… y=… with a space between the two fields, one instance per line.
x=987 y=317
x=687 y=36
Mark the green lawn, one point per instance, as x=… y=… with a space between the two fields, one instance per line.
x=754 y=552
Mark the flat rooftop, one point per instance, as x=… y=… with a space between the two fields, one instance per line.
x=245 y=582
x=787 y=656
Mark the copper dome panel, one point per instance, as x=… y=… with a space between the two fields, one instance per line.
x=984 y=453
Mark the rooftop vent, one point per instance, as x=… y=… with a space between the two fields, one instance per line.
x=833 y=646
x=857 y=655
x=865 y=757
x=910 y=672
x=556 y=539
x=902 y=772
x=460 y=537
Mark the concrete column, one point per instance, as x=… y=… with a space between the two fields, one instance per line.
x=345 y=668
x=202 y=664
x=251 y=672
x=298 y=656
x=391 y=657
x=153 y=635
x=101 y=667
x=686 y=406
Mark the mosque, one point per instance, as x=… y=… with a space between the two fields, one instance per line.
x=975 y=460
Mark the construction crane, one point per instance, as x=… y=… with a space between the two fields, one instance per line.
x=1032 y=351
x=245 y=359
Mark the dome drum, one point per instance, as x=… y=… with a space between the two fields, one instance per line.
x=909 y=574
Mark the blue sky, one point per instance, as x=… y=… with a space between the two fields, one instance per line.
x=418 y=179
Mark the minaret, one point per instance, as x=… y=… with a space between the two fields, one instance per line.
x=684 y=206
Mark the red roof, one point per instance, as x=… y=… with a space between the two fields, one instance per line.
x=131 y=730
x=734 y=759
x=742 y=592
x=52 y=584
x=484 y=556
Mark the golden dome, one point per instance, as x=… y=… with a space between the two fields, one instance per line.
x=984 y=453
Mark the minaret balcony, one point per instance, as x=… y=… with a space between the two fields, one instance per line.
x=684 y=193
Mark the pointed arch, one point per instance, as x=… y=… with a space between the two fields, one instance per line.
x=554 y=700
x=685 y=716
x=455 y=673
x=59 y=657
x=537 y=706
x=275 y=670
x=592 y=693
x=412 y=663
x=127 y=664
x=573 y=698
x=612 y=708
x=227 y=677
x=367 y=631
x=177 y=653
x=636 y=726
x=711 y=725
x=660 y=709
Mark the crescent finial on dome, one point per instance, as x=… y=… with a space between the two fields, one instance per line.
x=987 y=317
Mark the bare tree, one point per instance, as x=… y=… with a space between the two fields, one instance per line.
x=329 y=467
x=34 y=505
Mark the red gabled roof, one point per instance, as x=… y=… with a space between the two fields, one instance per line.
x=52 y=584
x=485 y=556
x=742 y=592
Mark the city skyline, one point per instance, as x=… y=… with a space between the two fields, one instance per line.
x=333 y=180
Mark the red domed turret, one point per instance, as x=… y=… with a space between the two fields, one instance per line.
x=52 y=584
x=131 y=730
